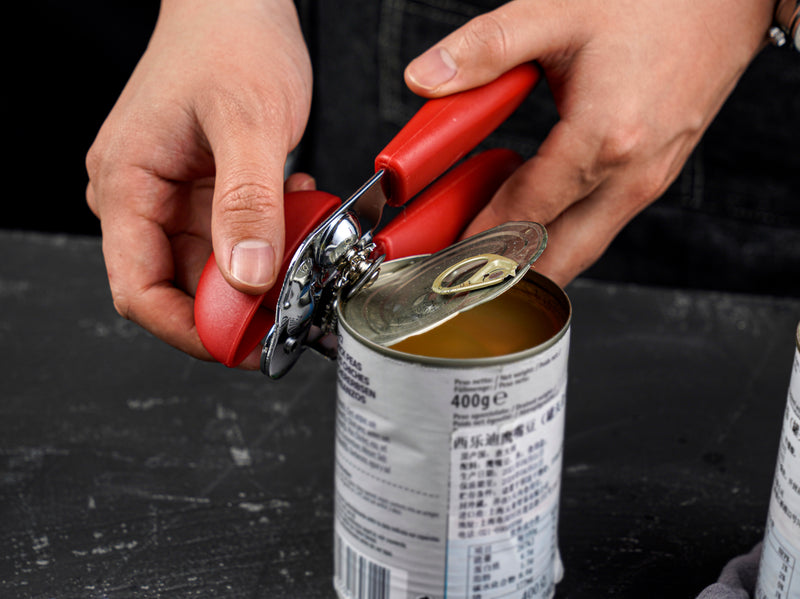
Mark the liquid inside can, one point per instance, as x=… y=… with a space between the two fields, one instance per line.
x=779 y=570
x=511 y=323
x=448 y=452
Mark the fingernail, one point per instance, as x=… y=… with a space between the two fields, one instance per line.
x=433 y=68
x=309 y=184
x=253 y=262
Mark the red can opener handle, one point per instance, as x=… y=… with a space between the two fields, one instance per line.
x=231 y=323
x=446 y=129
x=436 y=218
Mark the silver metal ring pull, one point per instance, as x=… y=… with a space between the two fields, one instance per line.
x=483 y=270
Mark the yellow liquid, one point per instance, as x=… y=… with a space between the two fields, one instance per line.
x=513 y=322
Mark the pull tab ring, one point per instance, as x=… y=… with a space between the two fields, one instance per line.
x=492 y=269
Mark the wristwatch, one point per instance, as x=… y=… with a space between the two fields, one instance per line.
x=787 y=19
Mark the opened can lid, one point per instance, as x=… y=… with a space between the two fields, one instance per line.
x=413 y=296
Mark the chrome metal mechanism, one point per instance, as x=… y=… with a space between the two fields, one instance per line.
x=334 y=260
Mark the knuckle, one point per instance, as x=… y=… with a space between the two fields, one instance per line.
x=623 y=143
x=122 y=306
x=545 y=209
x=111 y=146
x=91 y=200
x=648 y=185
x=102 y=145
x=588 y=173
x=248 y=200
x=695 y=122
x=120 y=297
x=519 y=189
x=545 y=200
x=93 y=158
x=486 y=36
x=121 y=300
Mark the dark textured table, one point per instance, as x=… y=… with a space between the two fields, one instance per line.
x=130 y=470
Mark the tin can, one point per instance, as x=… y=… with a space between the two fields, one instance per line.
x=448 y=466
x=779 y=570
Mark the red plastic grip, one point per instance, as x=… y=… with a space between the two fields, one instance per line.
x=436 y=218
x=445 y=129
x=231 y=323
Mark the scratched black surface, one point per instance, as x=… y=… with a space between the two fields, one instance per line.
x=130 y=470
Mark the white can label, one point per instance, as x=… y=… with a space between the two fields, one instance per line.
x=779 y=571
x=448 y=479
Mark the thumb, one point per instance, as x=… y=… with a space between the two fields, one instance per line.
x=488 y=46
x=247 y=229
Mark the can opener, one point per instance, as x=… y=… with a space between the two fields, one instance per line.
x=330 y=249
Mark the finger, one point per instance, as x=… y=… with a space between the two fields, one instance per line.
x=252 y=361
x=577 y=238
x=141 y=275
x=189 y=254
x=189 y=232
x=492 y=44
x=564 y=170
x=580 y=234
x=299 y=182
x=90 y=199
x=247 y=216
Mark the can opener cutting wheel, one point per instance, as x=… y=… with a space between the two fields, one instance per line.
x=330 y=249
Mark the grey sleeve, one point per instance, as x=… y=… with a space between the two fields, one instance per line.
x=737 y=579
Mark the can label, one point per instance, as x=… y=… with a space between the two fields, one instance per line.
x=779 y=571
x=448 y=478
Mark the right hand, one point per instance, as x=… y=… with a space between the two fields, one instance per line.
x=636 y=84
x=193 y=153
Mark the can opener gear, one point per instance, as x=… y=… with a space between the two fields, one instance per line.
x=331 y=250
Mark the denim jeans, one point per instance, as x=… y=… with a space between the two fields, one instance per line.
x=731 y=220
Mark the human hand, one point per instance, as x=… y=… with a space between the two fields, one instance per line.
x=636 y=83
x=193 y=152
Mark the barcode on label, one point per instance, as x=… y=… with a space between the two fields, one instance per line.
x=357 y=576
